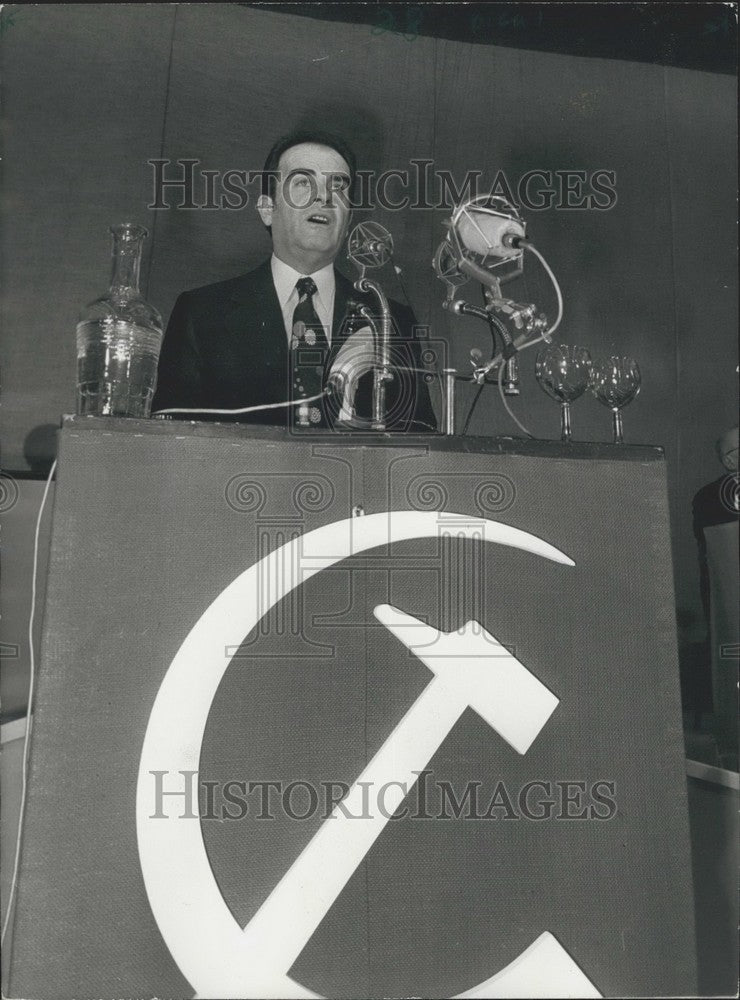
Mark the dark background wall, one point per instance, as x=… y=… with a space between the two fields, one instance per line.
x=92 y=93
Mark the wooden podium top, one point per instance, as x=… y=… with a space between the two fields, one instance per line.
x=470 y=444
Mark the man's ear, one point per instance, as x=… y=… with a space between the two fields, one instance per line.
x=265 y=207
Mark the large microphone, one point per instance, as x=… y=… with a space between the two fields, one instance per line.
x=486 y=240
x=489 y=227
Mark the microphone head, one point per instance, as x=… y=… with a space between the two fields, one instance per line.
x=488 y=227
x=370 y=245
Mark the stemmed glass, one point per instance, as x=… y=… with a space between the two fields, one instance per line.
x=563 y=371
x=615 y=383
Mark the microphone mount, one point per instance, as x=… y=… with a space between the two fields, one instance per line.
x=485 y=240
x=370 y=245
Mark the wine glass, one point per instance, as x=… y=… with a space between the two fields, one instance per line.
x=563 y=371
x=615 y=383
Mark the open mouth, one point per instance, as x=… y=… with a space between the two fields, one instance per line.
x=319 y=219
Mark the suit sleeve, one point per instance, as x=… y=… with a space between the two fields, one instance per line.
x=179 y=373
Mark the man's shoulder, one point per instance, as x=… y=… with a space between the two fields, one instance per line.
x=230 y=288
x=710 y=505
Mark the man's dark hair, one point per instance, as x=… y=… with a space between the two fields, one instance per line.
x=296 y=139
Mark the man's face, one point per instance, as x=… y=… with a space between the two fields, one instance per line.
x=310 y=212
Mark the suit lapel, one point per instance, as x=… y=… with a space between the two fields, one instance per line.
x=256 y=322
x=344 y=292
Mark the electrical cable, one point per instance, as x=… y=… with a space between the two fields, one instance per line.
x=31 y=685
x=495 y=365
x=494 y=324
x=508 y=409
x=246 y=409
x=533 y=249
x=471 y=411
x=498 y=365
x=548 y=333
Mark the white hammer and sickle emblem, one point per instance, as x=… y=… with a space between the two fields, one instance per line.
x=219 y=957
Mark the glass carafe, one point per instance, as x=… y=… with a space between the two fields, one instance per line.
x=119 y=337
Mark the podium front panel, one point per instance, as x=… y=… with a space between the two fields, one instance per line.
x=583 y=836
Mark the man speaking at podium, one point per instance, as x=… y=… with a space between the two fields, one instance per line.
x=239 y=343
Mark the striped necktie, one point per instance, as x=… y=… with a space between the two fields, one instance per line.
x=309 y=350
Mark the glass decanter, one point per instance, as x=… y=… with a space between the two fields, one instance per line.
x=119 y=337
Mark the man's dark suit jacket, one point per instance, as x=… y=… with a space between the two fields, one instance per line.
x=226 y=347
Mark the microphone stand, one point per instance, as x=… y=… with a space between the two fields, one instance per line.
x=492 y=297
x=382 y=370
x=455 y=263
x=510 y=374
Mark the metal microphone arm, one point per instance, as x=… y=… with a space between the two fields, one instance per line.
x=510 y=373
x=461 y=308
x=382 y=371
x=494 y=301
x=453 y=263
x=474 y=270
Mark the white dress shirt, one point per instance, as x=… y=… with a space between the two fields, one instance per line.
x=284 y=277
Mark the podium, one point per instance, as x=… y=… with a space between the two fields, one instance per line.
x=240 y=624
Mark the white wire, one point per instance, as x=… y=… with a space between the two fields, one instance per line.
x=247 y=409
x=31 y=683
x=504 y=400
x=493 y=363
x=498 y=362
x=555 y=285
